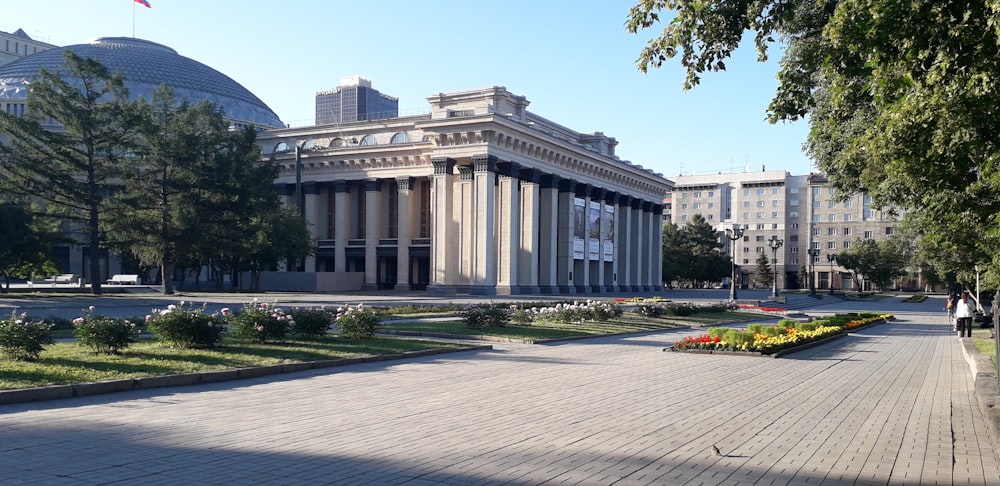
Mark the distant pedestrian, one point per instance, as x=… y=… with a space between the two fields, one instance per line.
x=949 y=305
x=964 y=310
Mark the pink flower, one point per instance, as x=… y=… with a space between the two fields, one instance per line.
x=91 y=308
x=148 y=317
x=77 y=321
x=225 y=311
x=260 y=328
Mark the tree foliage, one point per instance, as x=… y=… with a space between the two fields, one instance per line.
x=70 y=146
x=877 y=262
x=691 y=253
x=763 y=273
x=25 y=244
x=901 y=97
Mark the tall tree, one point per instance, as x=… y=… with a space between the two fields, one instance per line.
x=69 y=148
x=25 y=244
x=763 y=273
x=900 y=98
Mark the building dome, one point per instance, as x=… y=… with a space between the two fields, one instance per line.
x=146 y=65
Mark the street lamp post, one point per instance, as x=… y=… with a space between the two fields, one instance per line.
x=832 y=258
x=734 y=233
x=775 y=243
x=813 y=253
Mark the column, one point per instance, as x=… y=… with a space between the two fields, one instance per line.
x=465 y=203
x=564 y=243
x=341 y=190
x=528 y=246
x=658 y=245
x=609 y=235
x=635 y=245
x=404 y=215
x=508 y=227
x=548 y=233
x=647 y=255
x=485 y=281
x=623 y=248
x=442 y=230
x=373 y=217
x=315 y=222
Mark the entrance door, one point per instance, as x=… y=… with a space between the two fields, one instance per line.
x=387 y=272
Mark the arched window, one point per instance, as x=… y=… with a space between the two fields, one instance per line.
x=281 y=147
x=309 y=145
x=337 y=142
x=400 y=137
x=367 y=140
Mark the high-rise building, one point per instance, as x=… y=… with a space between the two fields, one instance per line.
x=354 y=100
x=803 y=211
x=19 y=44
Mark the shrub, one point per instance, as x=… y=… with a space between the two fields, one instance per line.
x=773 y=331
x=186 y=327
x=520 y=316
x=757 y=328
x=105 y=335
x=261 y=322
x=679 y=309
x=718 y=331
x=312 y=322
x=808 y=326
x=21 y=339
x=605 y=311
x=481 y=316
x=356 y=322
x=649 y=309
x=786 y=323
x=739 y=339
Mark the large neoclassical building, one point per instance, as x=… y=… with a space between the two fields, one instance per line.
x=477 y=196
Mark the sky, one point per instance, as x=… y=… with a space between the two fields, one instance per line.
x=574 y=62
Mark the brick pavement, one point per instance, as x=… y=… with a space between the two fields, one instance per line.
x=892 y=404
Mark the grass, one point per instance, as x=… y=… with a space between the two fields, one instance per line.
x=68 y=362
x=981 y=339
x=628 y=322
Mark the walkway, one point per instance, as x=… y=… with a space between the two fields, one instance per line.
x=892 y=404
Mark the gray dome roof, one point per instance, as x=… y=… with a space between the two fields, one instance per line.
x=146 y=65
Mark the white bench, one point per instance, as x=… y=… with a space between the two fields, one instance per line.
x=66 y=278
x=124 y=280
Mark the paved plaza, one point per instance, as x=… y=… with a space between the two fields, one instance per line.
x=892 y=404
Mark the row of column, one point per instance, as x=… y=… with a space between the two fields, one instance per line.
x=406 y=214
x=499 y=228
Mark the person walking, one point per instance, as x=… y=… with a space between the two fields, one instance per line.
x=964 y=310
x=949 y=305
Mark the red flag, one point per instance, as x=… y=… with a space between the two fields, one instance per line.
x=144 y=2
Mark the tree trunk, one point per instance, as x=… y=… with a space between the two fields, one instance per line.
x=95 y=254
x=167 y=269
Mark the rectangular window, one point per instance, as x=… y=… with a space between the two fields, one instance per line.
x=869 y=235
x=847 y=231
x=817 y=204
x=814 y=245
x=774 y=190
x=774 y=214
x=816 y=191
x=831 y=231
x=684 y=217
x=795 y=225
x=793 y=249
x=760 y=215
x=760 y=192
x=684 y=206
x=793 y=202
x=815 y=231
x=697 y=205
x=794 y=261
x=746 y=204
x=759 y=238
x=847 y=203
x=746 y=192
x=831 y=245
x=793 y=190
x=711 y=194
x=761 y=204
x=746 y=249
x=830 y=204
x=760 y=249
x=847 y=245
x=697 y=194
x=711 y=205
x=393 y=229
x=793 y=214
x=816 y=218
x=831 y=217
x=746 y=215
x=888 y=230
x=847 y=216
x=793 y=238
x=760 y=226
x=774 y=225
x=425 y=209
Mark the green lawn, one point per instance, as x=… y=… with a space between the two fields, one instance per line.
x=68 y=362
x=981 y=339
x=628 y=322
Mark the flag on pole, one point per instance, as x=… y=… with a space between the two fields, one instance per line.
x=145 y=3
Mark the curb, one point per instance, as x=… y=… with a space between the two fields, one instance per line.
x=984 y=376
x=56 y=392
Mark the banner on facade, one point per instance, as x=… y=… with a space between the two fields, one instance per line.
x=594 y=229
x=609 y=233
x=579 y=227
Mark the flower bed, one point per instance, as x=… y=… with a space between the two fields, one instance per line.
x=761 y=339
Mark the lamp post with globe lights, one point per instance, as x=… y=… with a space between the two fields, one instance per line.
x=832 y=258
x=733 y=234
x=813 y=253
x=775 y=243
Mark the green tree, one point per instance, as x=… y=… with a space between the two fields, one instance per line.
x=25 y=244
x=73 y=169
x=691 y=252
x=674 y=256
x=877 y=262
x=900 y=98
x=763 y=274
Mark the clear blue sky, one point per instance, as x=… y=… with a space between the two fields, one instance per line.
x=573 y=60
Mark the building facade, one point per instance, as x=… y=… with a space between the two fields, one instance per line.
x=354 y=100
x=479 y=196
x=803 y=211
